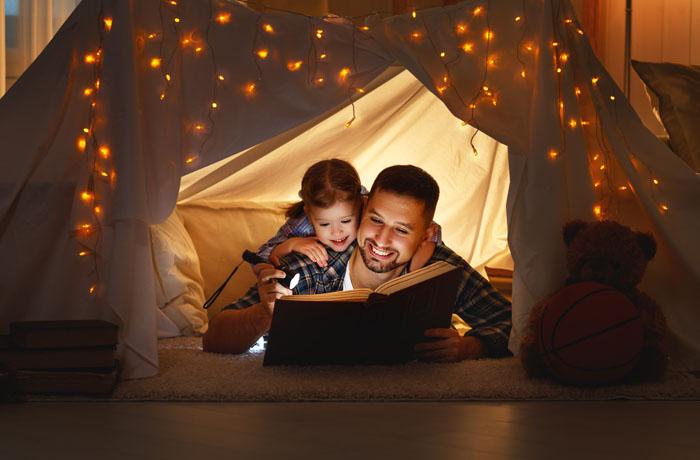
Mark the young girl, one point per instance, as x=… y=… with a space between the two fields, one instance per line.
x=327 y=216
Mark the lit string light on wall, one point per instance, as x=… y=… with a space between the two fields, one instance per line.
x=100 y=176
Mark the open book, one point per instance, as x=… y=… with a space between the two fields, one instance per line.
x=363 y=326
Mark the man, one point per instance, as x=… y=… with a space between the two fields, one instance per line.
x=395 y=223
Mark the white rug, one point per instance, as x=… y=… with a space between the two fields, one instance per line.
x=187 y=373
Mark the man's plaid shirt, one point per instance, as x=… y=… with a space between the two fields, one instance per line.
x=478 y=303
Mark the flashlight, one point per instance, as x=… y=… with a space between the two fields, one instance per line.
x=290 y=281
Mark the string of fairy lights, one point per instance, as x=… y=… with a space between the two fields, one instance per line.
x=471 y=35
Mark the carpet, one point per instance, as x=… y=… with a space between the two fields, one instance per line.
x=189 y=374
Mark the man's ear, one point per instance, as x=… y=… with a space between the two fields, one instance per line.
x=429 y=232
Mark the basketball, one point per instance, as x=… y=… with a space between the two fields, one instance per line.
x=589 y=334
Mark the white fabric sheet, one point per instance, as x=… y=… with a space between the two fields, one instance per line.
x=154 y=143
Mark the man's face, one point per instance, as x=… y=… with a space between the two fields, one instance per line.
x=391 y=230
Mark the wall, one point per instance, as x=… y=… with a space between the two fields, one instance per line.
x=662 y=30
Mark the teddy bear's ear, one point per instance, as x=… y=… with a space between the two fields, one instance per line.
x=571 y=229
x=647 y=243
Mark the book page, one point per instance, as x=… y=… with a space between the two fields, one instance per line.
x=355 y=295
x=415 y=277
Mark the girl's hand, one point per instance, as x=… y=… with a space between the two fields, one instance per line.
x=311 y=248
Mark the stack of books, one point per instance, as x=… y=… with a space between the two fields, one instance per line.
x=61 y=357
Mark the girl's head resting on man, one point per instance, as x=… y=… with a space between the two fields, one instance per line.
x=331 y=196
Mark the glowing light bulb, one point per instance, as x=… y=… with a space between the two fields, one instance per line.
x=441 y=89
x=622 y=188
x=577 y=91
x=553 y=154
x=319 y=33
x=595 y=157
x=98 y=210
x=485 y=88
x=558 y=69
x=472 y=106
x=413 y=14
x=344 y=72
x=104 y=152
x=663 y=207
x=220 y=77
x=579 y=31
x=293 y=66
x=199 y=127
x=442 y=54
x=602 y=167
x=90 y=58
x=108 y=24
x=86 y=196
x=491 y=61
x=597 y=210
x=573 y=123
x=597 y=184
x=155 y=63
x=612 y=98
x=568 y=21
x=319 y=80
x=83 y=253
x=82 y=143
x=322 y=56
x=415 y=36
x=86 y=130
x=517 y=19
x=162 y=96
x=223 y=18
x=655 y=181
x=151 y=36
x=214 y=105
x=460 y=29
x=104 y=174
x=249 y=89
x=186 y=41
x=167 y=76
x=177 y=20
x=564 y=57
x=360 y=90
x=87 y=91
x=522 y=73
x=594 y=80
x=198 y=49
x=268 y=28
x=262 y=54
x=92 y=289
x=190 y=159
x=529 y=48
x=488 y=34
x=364 y=28
x=173 y=2
x=468 y=47
x=477 y=11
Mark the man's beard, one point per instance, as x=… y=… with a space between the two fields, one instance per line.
x=376 y=266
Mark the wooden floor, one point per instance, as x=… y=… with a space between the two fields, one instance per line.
x=483 y=430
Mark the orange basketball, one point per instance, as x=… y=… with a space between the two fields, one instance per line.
x=589 y=334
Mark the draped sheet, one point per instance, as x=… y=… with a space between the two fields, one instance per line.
x=558 y=138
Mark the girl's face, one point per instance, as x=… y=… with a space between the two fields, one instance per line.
x=336 y=227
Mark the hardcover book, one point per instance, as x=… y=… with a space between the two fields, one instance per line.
x=57 y=358
x=63 y=333
x=363 y=326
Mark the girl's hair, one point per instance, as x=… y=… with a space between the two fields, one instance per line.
x=326 y=183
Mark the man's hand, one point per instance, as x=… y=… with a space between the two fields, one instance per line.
x=270 y=290
x=311 y=248
x=449 y=346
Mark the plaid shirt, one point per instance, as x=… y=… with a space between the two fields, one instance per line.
x=478 y=303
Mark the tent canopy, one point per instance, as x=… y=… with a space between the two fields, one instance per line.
x=147 y=91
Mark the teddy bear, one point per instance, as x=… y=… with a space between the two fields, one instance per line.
x=609 y=253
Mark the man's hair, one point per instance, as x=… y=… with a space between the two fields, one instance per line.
x=409 y=180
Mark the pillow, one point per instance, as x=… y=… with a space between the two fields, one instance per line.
x=179 y=292
x=677 y=88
